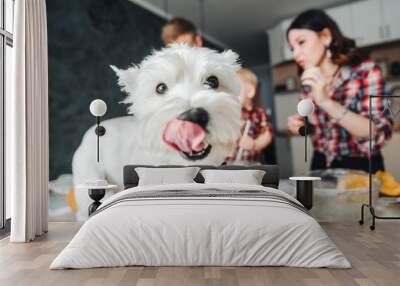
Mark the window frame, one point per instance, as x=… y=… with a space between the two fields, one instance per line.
x=6 y=39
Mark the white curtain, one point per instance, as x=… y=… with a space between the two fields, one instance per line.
x=27 y=123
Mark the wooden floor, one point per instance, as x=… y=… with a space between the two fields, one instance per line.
x=375 y=257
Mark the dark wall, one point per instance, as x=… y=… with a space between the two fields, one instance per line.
x=84 y=38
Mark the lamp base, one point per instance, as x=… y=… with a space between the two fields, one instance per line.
x=96 y=195
x=304 y=193
x=304 y=190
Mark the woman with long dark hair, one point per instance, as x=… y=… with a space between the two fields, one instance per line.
x=340 y=78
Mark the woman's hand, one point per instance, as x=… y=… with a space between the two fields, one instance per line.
x=319 y=86
x=247 y=143
x=294 y=123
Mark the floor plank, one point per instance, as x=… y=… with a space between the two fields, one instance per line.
x=375 y=257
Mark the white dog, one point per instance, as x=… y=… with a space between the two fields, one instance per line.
x=185 y=108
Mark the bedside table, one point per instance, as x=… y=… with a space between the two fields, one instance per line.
x=304 y=190
x=96 y=193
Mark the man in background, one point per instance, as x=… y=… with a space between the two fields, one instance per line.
x=179 y=30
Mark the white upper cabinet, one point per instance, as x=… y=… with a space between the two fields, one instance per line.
x=287 y=52
x=344 y=18
x=367 y=22
x=391 y=19
x=278 y=46
x=275 y=45
x=376 y=21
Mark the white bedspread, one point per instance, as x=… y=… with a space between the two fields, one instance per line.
x=181 y=231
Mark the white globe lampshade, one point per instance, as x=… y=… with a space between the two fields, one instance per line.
x=98 y=107
x=305 y=107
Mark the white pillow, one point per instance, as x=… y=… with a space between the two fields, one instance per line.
x=248 y=177
x=163 y=176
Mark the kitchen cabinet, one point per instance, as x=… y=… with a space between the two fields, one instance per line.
x=391 y=20
x=368 y=22
x=278 y=45
x=284 y=156
x=275 y=45
x=344 y=18
x=287 y=52
x=375 y=21
x=290 y=156
x=297 y=145
x=285 y=106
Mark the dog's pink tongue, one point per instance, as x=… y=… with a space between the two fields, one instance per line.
x=184 y=136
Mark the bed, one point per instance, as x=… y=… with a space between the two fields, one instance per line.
x=198 y=224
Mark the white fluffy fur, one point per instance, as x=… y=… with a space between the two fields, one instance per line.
x=137 y=139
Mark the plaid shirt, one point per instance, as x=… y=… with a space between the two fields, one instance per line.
x=352 y=88
x=259 y=124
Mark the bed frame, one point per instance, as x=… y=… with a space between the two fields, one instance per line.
x=270 y=179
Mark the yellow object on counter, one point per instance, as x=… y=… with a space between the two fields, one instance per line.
x=71 y=200
x=353 y=182
x=390 y=187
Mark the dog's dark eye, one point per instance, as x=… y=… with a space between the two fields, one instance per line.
x=212 y=82
x=161 y=88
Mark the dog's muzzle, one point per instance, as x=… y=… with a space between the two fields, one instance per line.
x=187 y=132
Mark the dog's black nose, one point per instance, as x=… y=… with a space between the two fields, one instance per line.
x=196 y=115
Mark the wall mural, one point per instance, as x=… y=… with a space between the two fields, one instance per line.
x=85 y=38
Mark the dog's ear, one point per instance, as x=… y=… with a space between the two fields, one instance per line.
x=232 y=58
x=126 y=78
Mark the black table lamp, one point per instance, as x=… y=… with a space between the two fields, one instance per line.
x=97 y=188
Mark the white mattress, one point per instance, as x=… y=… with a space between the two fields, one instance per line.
x=183 y=231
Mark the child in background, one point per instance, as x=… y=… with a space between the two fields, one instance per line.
x=259 y=130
